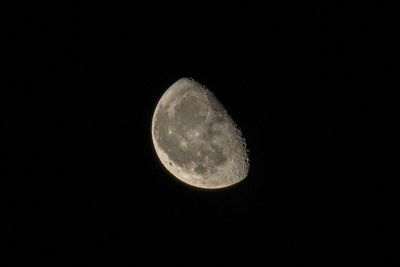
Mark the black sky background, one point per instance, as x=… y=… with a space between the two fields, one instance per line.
x=301 y=82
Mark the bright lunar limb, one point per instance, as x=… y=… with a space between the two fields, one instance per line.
x=196 y=139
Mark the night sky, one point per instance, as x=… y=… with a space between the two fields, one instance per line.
x=301 y=83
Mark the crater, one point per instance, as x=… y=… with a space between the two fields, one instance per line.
x=200 y=169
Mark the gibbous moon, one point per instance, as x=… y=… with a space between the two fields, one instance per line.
x=196 y=139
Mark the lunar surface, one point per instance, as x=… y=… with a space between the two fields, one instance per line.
x=196 y=139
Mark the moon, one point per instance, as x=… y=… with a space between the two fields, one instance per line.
x=195 y=138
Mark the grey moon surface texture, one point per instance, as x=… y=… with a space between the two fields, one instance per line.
x=196 y=139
